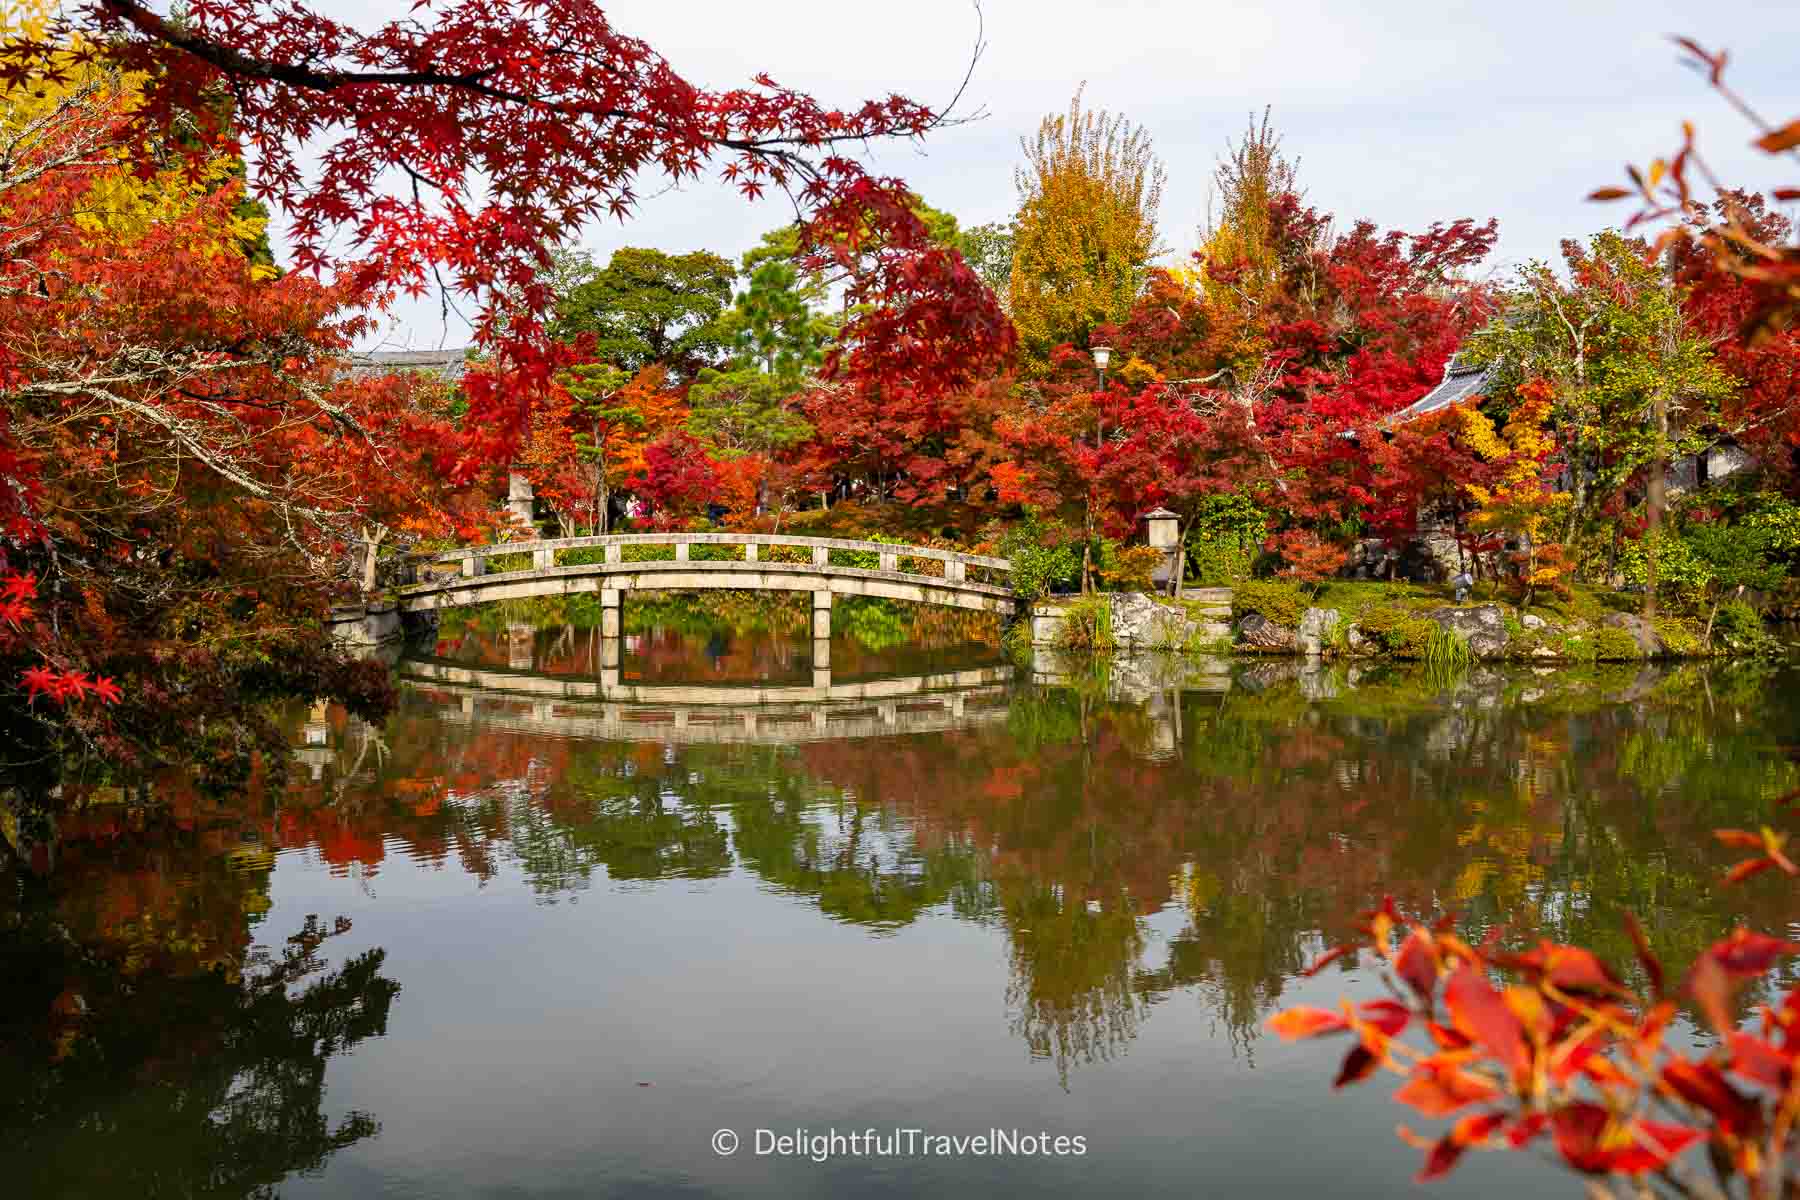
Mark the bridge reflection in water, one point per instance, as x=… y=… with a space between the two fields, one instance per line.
x=608 y=709
x=604 y=708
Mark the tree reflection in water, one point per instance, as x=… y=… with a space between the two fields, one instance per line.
x=1263 y=810
x=120 y=1075
x=1131 y=843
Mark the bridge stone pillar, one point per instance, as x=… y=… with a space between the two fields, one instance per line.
x=317 y=731
x=610 y=652
x=750 y=551
x=822 y=614
x=822 y=681
x=610 y=605
x=955 y=571
x=520 y=643
x=821 y=556
x=543 y=558
x=1164 y=740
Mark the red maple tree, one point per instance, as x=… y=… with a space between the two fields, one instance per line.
x=464 y=141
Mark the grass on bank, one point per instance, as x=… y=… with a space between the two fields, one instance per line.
x=1282 y=601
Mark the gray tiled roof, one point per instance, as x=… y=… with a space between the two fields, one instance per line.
x=1461 y=382
x=448 y=363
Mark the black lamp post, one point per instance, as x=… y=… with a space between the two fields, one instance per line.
x=1102 y=356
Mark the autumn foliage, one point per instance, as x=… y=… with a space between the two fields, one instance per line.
x=502 y=147
x=1561 y=1049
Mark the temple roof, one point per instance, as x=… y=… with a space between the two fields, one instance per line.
x=1462 y=381
x=448 y=363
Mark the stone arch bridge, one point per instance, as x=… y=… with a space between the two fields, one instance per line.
x=618 y=563
x=612 y=565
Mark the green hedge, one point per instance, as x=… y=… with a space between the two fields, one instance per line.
x=1276 y=600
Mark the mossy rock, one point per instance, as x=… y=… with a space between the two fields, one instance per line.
x=1544 y=641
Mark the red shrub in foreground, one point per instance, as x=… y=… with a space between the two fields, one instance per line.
x=1550 y=1042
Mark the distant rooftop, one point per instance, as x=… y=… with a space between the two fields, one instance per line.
x=1462 y=381
x=449 y=363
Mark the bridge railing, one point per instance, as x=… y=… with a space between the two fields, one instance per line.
x=951 y=566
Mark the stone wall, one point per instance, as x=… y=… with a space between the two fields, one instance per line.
x=365 y=624
x=1200 y=620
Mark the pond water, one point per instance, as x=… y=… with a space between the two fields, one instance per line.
x=522 y=941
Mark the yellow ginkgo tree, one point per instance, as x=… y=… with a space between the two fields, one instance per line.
x=1522 y=503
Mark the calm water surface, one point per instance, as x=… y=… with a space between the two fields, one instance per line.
x=556 y=942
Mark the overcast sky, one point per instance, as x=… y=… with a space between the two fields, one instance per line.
x=1400 y=112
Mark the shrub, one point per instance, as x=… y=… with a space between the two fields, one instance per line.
x=1402 y=632
x=701 y=552
x=1215 y=561
x=1579 y=647
x=1305 y=556
x=867 y=560
x=1677 y=635
x=1224 y=539
x=1128 y=568
x=1739 y=628
x=635 y=553
x=1042 y=556
x=496 y=563
x=870 y=560
x=1278 y=601
x=1087 y=624
x=1615 y=645
x=784 y=554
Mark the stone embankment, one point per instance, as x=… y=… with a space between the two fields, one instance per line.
x=1261 y=620
x=1199 y=621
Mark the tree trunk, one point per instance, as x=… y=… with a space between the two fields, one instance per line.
x=1653 y=500
x=372 y=539
x=1706 y=638
x=1180 y=566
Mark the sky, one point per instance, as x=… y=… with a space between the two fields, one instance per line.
x=1399 y=112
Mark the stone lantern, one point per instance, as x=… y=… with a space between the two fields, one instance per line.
x=520 y=498
x=1160 y=525
x=1161 y=529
